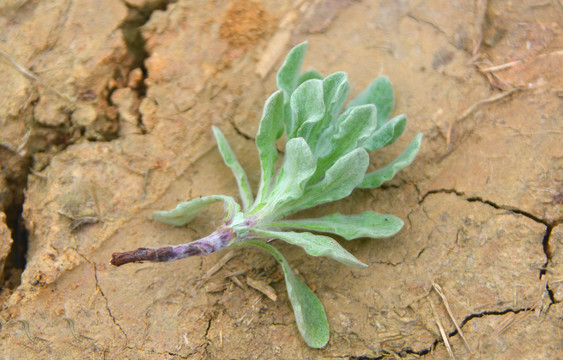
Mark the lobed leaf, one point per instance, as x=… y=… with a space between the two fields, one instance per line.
x=185 y=212
x=231 y=161
x=380 y=94
x=288 y=74
x=378 y=177
x=298 y=166
x=288 y=77
x=315 y=245
x=339 y=181
x=308 y=309
x=367 y=224
x=270 y=129
x=335 y=91
x=307 y=109
x=387 y=134
x=353 y=131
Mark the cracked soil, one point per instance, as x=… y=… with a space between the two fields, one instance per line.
x=106 y=114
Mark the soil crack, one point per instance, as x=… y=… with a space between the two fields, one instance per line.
x=107 y=303
x=137 y=17
x=99 y=288
x=551 y=296
x=490 y=313
x=178 y=355
x=207 y=340
x=388 y=263
x=548 y=255
x=468 y=318
x=549 y=226
x=487 y=202
x=239 y=131
x=165 y=353
x=209 y=323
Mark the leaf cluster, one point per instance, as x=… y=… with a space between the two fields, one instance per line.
x=326 y=158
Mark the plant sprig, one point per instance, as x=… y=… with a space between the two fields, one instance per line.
x=326 y=158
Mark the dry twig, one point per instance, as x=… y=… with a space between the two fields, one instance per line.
x=225 y=259
x=262 y=287
x=438 y=290
x=489 y=100
x=442 y=331
x=500 y=67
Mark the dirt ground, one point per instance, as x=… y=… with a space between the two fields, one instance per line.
x=106 y=114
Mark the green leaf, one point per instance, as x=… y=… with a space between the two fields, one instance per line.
x=308 y=75
x=339 y=181
x=288 y=74
x=308 y=309
x=315 y=245
x=307 y=109
x=288 y=77
x=270 y=129
x=352 y=132
x=380 y=94
x=231 y=161
x=387 y=134
x=298 y=166
x=367 y=224
x=335 y=91
x=378 y=177
x=185 y=212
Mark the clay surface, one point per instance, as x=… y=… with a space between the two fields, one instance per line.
x=106 y=114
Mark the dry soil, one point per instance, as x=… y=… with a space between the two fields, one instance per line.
x=106 y=110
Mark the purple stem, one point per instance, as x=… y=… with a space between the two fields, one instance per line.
x=204 y=246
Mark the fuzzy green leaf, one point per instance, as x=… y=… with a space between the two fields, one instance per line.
x=231 y=161
x=308 y=75
x=307 y=109
x=335 y=91
x=288 y=78
x=339 y=181
x=185 y=212
x=298 y=166
x=288 y=74
x=378 y=177
x=352 y=132
x=315 y=245
x=308 y=309
x=270 y=129
x=387 y=134
x=380 y=94
x=367 y=224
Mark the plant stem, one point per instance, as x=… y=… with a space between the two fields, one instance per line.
x=204 y=246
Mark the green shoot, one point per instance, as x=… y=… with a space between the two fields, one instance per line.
x=326 y=158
